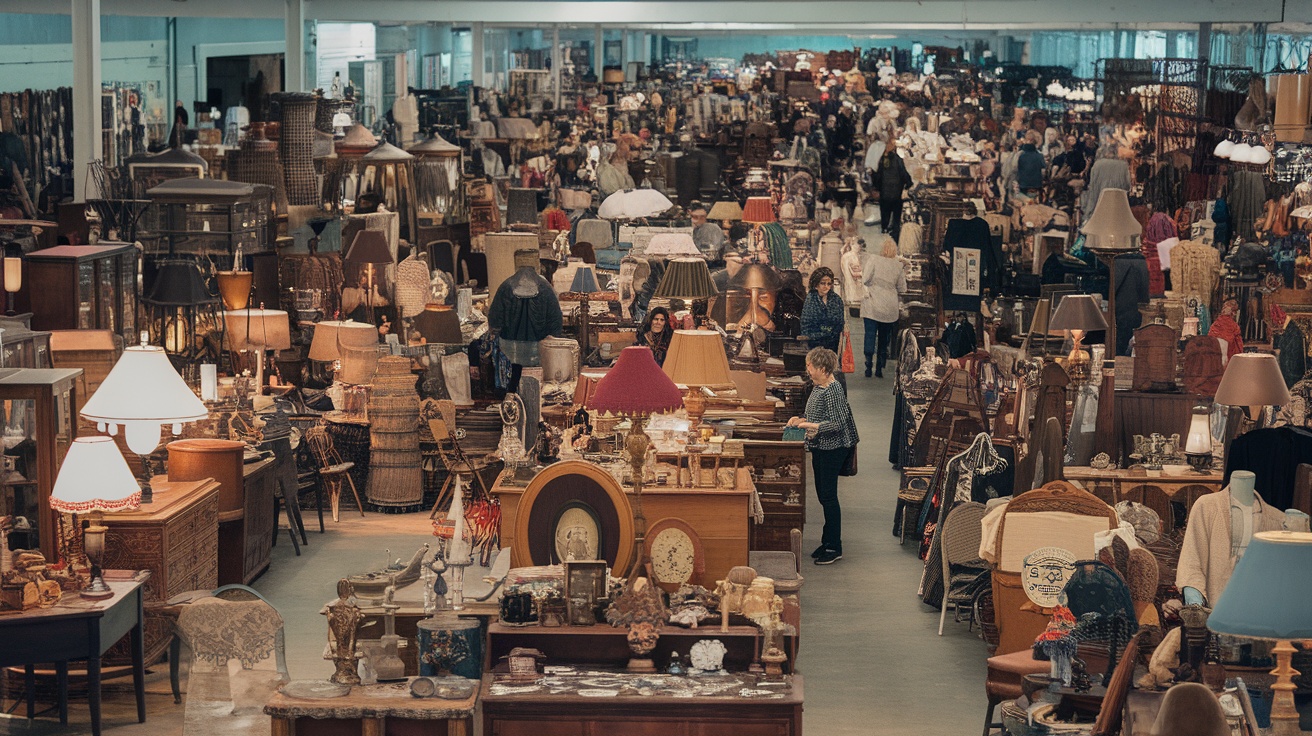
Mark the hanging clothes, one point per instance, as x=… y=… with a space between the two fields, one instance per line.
x=973 y=475
x=1247 y=203
x=975 y=264
x=1195 y=269
x=1160 y=227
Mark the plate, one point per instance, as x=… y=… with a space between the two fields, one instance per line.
x=314 y=689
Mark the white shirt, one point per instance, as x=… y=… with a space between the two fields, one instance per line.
x=884 y=280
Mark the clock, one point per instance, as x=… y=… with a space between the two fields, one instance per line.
x=676 y=553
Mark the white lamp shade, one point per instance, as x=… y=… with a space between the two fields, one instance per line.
x=143 y=392
x=1199 y=439
x=1259 y=155
x=258 y=329
x=330 y=336
x=94 y=477
x=1240 y=153
x=672 y=244
x=1224 y=149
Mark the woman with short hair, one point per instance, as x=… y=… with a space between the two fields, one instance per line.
x=831 y=438
x=885 y=279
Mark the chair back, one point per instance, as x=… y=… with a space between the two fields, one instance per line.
x=321 y=446
x=1056 y=515
x=961 y=535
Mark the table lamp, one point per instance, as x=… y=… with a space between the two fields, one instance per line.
x=1198 y=443
x=94 y=478
x=686 y=278
x=13 y=276
x=370 y=249
x=672 y=245
x=696 y=359
x=1268 y=598
x=258 y=330
x=725 y=211
x=331 y=336
x=142 y=393
x=1078 y=314
x=585 y=283
x=1112 y=230
x=235 y=285
x=637 y=388
x=758 y=211
x=1252 y=380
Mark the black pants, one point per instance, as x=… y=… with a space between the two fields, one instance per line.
x=825 y=465
x=890 y=217
x=878 y=336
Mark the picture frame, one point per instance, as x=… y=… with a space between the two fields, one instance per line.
x=585 y=584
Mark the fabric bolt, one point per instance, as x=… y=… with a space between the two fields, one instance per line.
x=1247 y=203
x=884 y=281
x=1273 y=454
x=1206 y=557
x=776 y=244
x=823 y=320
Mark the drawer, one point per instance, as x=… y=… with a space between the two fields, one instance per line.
x=193 y=523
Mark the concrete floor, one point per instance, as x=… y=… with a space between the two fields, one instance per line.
x=872 y=660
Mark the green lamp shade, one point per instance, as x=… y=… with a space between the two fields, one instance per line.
x=686 y=278
x=1268 y=596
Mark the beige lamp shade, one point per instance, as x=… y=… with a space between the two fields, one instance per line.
x=1077 y=312
x=142 y=393
x=330 y=336
x=358 y=365
x=1112 y=226
x=94 y=477
x=696 y=358
x=1252 y=379
x=258 y=329
x=1199 y=439
x=672 y=244
x=727 y=210
x=686 y=278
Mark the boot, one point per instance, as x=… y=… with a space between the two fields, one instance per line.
x=869 y=360
x=879 y=369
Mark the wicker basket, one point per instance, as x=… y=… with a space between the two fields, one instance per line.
x=395 y=470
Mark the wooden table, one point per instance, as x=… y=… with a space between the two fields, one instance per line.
x=372 y=710
x=543 y=714
x=720 y=518
x=1110 y=484
x=78 y=628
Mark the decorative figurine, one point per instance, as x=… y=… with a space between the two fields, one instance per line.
x=707 y=655
x=343 y=618
x=547 y=446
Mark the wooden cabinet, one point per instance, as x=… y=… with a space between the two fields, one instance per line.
x=252 y=535
x=37 y=405
x=83 y=287
x=779 y=472
x=23 y=347
x=175 y=538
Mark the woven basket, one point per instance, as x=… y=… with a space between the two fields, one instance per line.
x=384 y=444
x=296 y=144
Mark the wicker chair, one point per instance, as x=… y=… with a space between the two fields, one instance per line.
x=960 y=539
x=332 y=471
x=452 y=456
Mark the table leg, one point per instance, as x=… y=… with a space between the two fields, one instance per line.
x=29 y=686
x=371 y=726
x=93 y=690
x=61 y=675
x=138 y=643
x=279 y=726
x=175 y=654
x=459 y=727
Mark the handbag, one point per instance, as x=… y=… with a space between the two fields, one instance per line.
x=849 y=466
x=846 y=361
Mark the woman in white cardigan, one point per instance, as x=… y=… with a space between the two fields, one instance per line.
x=884 y=277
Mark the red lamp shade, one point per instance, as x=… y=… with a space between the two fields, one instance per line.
x=636 y=386
x=758 y=211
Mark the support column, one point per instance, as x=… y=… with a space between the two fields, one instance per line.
x=294 y=56
x=476 y=57
x=599 y=53
x=555 y=64
x=1204 y=58
x=87 y=121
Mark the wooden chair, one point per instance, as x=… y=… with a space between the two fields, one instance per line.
x=452 y=456
x=959 y=539
x=332 y=471
x=1038 y=518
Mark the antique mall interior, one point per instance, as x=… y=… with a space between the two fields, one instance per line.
x=640 y=368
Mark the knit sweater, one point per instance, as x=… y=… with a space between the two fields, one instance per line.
x=827 y=407
x=823 y=321
x=1205 y=561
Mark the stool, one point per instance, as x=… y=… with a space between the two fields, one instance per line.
x=909 y=503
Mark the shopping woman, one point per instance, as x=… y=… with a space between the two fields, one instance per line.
x=885 y=282
x=656 y=333
x=831 y=438
x=824 y=315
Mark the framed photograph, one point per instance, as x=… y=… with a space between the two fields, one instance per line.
x=585 y=584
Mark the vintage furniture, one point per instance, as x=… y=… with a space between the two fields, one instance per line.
x=719 y=516
x=371 y=710
x=571 y=504
x=246 y=507
x=77 y=630
x=455 y=461
x=209 y=218
x=94 y=351
x=1144 y=412
x=779 y=472
x=1179 y=482
x=960 y=538
x=93 y=479
x=40 y=402
x=83 y=287
x=23 y=347
x=332 y=470
x=227 y=593
x=175 y=538
x=543 y=714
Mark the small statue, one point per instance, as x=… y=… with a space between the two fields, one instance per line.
x=547 y=448
x=343 y=618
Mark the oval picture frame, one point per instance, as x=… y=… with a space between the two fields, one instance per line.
x=567 y=485
x=671 y=523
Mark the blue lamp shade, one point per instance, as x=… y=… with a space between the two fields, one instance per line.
x=1268 y=596
x=585 y=280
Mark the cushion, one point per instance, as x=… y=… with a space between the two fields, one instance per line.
x=1025 y=532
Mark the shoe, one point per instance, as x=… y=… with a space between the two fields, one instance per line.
x=879 y=373
x=819 y=551
x=829 y=557
x=867 y=373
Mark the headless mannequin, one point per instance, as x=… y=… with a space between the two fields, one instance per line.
x=1242 y=492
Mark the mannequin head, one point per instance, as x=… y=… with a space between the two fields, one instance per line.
x=1242 y=487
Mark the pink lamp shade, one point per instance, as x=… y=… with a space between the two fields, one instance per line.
x=94 y=477
x=758 y=211
x=636 y=386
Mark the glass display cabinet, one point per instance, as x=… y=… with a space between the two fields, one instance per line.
x=84 y=287
x=209 y=218
x=37 y=410
x=21 y=346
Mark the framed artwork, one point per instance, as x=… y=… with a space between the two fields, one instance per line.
x=574 y=510
x=585 y=584
x=676 y=553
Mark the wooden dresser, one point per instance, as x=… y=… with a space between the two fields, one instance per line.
x=176 y=539
x=246 y=544
x=779 y=472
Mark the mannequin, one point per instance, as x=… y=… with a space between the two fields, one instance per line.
x=1233 y=515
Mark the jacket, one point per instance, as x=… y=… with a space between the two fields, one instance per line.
x=891 y=177
x=1205 y=562
x=885 y=280
x=1029 y=167
x=525 y=308
x=823 y=322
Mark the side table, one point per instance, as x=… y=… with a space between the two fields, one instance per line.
x=372 y=710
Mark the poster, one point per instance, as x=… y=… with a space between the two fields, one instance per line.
x=965 y=271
